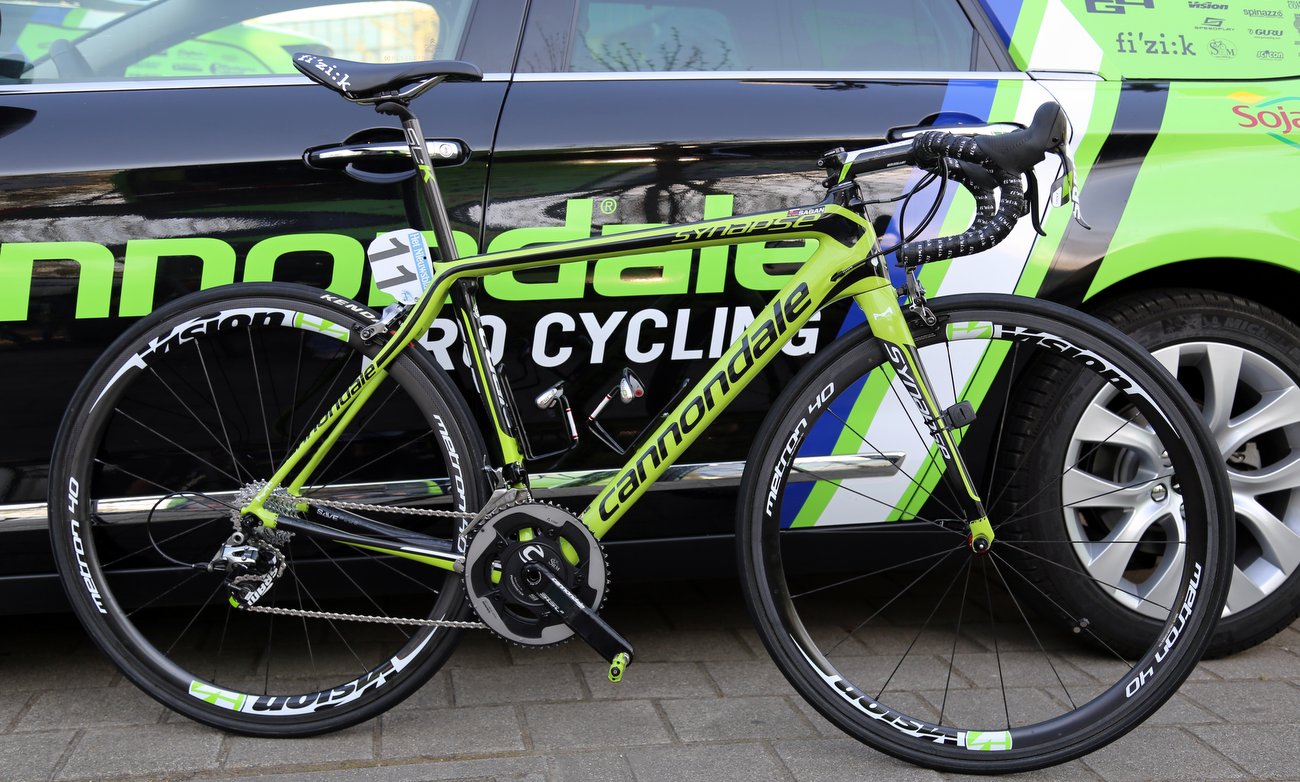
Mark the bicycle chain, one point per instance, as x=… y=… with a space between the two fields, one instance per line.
x=386 y=620
x=345 y=505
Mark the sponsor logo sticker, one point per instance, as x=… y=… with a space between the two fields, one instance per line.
x=1158 y=44
x=1277 y=117
x=1222 y=48
x=1116 y=6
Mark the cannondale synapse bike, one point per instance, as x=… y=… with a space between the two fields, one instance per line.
x=276 y=514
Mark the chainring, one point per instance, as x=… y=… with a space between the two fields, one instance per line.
x=499 y=547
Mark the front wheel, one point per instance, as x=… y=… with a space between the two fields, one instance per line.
x=165 y=441
x=871 y=598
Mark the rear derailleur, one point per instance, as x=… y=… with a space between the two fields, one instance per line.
x=252 y=560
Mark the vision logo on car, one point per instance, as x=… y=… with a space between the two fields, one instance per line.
x=1278 y=117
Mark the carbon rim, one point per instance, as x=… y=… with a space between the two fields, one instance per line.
x=160 y=459
x=977 y=692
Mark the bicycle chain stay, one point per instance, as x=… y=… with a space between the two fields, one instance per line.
x=331 y=615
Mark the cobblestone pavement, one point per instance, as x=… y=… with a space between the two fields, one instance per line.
x=702 y=702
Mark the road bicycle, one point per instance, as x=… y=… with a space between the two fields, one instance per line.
x=326 y=517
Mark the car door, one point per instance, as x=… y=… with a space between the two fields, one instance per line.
x=151 y=149
x=629 y=114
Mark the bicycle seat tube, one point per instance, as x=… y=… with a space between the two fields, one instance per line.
x=464 y=293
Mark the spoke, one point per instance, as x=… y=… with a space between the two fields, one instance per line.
x=327 y=398
x=261 y=399
x=1282 y=475
x=875 y=528
x=1162 y=590
x=216 y=406
x=330 y=622
x=1081 y=489
x=1030 y=627
x=363 y=592
x=168 y=651
x=375 y=409
x=179 y=447
x=1077 y=626
x=1099 y=424
x=1275 y=411
x=159 y=486
x=1050 y=484
x=1002 y=419
x=1080 y=574
x=997 y=652
x=193 y=575
x=382 y=560
x=939 y=560
x=225 y=446
x=1112 y=556
x=1089 y=501
x=1222 y=368
x=910 y=477
x=293 y=400
x=956 y=636
x=852 y=490
x=306 y=631
x=221 y=641
x=154 y=544
x=885 y=569
x=1279 y=542
x=927 y=444
x=921 y=630
x=270 y=636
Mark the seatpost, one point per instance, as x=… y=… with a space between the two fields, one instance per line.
x=435 y=211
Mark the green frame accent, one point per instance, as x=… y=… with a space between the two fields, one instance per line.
x=835 y=271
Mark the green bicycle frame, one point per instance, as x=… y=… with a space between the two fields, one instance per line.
x=835 y=271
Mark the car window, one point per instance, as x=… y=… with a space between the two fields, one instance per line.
x=768 y=35
x=96 y=40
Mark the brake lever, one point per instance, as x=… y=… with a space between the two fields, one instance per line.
x=1031 y=195
x=1065 y=190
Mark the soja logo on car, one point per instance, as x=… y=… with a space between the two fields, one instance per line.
x=1273 y=115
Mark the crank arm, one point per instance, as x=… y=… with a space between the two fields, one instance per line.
x=583 y=621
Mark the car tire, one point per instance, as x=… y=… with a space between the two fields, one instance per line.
x=1240 y=362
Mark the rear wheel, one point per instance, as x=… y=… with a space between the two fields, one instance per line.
x=168 y=435
x=872 y=600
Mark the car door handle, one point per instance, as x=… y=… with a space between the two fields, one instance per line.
x=382 y=161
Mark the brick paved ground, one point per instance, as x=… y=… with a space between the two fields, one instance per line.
x=701 y=703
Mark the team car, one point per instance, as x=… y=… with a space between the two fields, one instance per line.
x=156 y=147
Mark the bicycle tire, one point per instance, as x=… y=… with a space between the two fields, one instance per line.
x=840 y=572
x=194 y=403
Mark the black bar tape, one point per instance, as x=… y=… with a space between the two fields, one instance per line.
x=994 y=218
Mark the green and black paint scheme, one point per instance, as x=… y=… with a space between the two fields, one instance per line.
x=1184 y=161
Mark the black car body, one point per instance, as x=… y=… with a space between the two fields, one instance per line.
x=155 y=149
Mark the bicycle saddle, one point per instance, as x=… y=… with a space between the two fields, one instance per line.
x=366 y=80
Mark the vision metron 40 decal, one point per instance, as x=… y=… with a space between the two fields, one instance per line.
x=236 y=318
x=921 y=731
x=292 y=705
